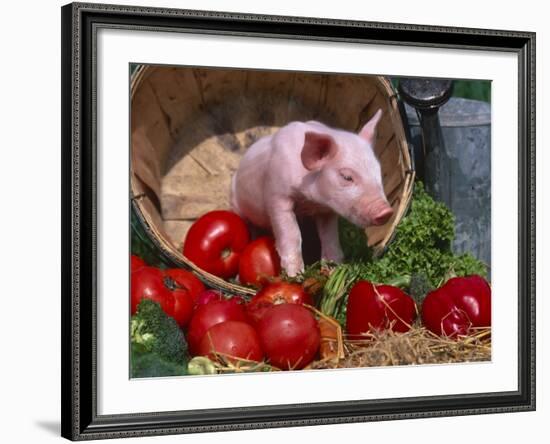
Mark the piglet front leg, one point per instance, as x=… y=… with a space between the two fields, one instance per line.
x=327 y=228
x=288 y=239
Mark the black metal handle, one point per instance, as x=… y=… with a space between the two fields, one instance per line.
x=432 y=165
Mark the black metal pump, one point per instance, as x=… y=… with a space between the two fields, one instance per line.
x=432 y=165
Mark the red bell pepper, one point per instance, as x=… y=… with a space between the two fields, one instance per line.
x=457 y=306
x=378 y=307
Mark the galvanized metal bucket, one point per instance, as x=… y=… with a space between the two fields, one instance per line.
x=466 y=129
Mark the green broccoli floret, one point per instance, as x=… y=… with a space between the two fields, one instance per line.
x=146 y=364
x=155 y=333
x=419 y=287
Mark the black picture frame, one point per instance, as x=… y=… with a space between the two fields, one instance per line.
x=79 y=169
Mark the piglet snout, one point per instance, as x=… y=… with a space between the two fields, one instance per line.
x=382 y=216
x=375 y=212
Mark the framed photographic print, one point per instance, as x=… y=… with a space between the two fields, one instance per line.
x=277 y=221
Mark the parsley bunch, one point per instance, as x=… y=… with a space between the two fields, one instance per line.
x=422 y=244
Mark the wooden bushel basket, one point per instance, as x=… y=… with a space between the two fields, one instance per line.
x=190 y=127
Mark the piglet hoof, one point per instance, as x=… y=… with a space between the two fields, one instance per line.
x=293 y=265
x=334 y=256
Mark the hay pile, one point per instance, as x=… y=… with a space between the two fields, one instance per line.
x=417 y=346
x=375 y=349
x=384 y=348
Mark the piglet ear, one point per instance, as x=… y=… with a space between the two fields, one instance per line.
x=368 y=132
x=318 y=150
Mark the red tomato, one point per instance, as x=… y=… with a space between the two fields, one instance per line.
x=289 y=336
x=458 y=305
x=259 y=261
x=175 y=290
x=207 y=296
x=377 y=307
x=208 y=315
x=234 y=338
x=215 y=241
x=187 y=281
x=136 y=263
x=148 y=282
x=274 y=294
x=183 y=307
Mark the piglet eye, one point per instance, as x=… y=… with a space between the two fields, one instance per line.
x=346 y=177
